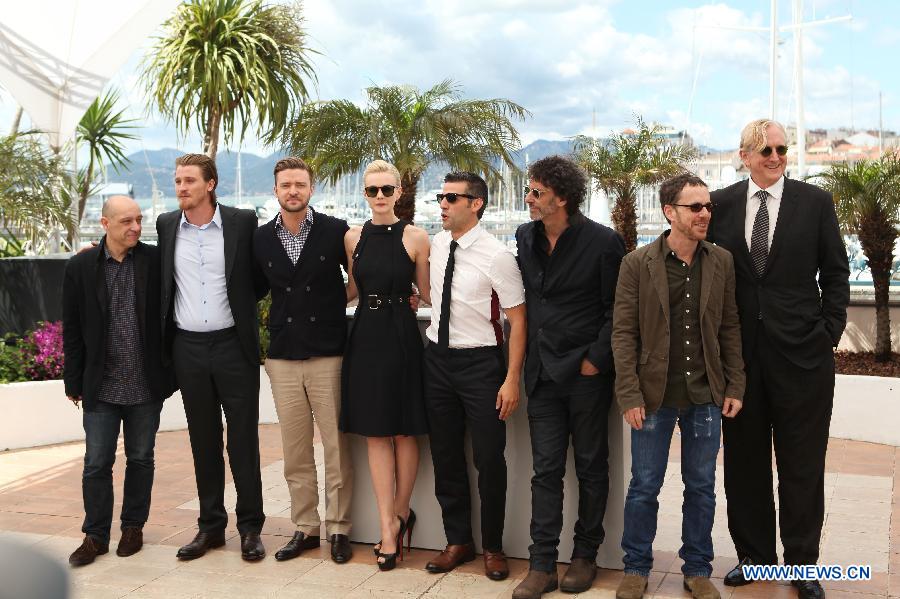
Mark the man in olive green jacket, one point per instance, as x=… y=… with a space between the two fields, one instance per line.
x=676 y=342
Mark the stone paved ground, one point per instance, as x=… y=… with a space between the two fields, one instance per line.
x=40 y=504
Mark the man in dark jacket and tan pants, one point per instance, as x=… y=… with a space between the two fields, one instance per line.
x=677 y=345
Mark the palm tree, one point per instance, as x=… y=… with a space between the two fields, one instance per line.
x=867 y=199
x=104 y=131
x=31 y=207
x=227 y=63
x=409 y=128
x=628 y=161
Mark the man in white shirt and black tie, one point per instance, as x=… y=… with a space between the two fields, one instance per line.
x=467 y=382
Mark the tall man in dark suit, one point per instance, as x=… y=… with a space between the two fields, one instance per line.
x=113 y=365
x=569 y=266
x=792 y=295
x=210 y=287
x=301 y=252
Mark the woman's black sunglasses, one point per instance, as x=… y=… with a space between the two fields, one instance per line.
x=386 y=190
x=767 y=151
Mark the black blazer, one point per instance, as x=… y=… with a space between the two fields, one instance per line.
x=308 y=317
x=802 y=323
x=244 y=283
x=569 y=307
x=85 y=316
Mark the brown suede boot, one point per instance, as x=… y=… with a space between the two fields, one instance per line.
x=131 y=542
x=90 y=548
x=701 y=587
x=536 y=584
x=632 y=587
x=579 y=577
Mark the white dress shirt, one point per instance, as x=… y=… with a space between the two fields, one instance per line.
x=486 y=278
x=773 y=203
x=201 y=296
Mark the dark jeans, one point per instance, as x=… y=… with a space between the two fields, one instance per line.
x=101 y=428
x=700 y=427
x=461 y=392
x=216 y=377
x=555 y=412
x=789 y=407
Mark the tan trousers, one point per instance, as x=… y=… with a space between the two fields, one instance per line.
x=305 y=390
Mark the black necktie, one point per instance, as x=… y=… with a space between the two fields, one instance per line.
x=444 y=321
x=759 y=238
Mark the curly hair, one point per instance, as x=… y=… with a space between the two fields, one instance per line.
x=672 y=187
x=564 y=177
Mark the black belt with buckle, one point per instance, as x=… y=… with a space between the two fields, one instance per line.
x=375 y=301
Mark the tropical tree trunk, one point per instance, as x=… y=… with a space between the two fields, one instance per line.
x=85 y=189
x=624 y=217
x=15 y=124
x=405 y=208
x=877 y=236
x=211 y=139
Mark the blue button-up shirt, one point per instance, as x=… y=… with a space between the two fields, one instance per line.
x=201 y=295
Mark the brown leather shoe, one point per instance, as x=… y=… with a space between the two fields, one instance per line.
x=90 y=548
x=495 y=566
x=131 y=542
x=701 y=587
x=536 y=584
x=449 y=558
x=203 y=542
x=579 y=577
x=632 y=587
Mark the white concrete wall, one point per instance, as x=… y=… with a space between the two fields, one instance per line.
x=860 y=332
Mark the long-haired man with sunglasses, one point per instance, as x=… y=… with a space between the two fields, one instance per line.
x=792 y=295
x=468 y=384
x=677 y=344
x=569 y=267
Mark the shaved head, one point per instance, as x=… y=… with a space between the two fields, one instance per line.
x=116 y=204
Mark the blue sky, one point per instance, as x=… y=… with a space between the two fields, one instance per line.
x=568 y=60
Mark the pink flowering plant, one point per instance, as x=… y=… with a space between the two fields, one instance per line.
x=42 y=352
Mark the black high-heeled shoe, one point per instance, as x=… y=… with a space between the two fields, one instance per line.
x=410 y=524
x=388 y=561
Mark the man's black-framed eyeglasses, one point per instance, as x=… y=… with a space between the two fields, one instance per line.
x=697 y=206
x=451 y=197
x=767 y=151
x=386 y=190
x=537 y=193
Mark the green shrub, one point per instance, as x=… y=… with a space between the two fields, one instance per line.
x=12 y=363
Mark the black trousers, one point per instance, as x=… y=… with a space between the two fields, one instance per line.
x=579 y=410
x=461 y=392
x=792 y=407
x=215 y=377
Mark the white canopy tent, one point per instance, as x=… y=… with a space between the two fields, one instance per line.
x=56 y=57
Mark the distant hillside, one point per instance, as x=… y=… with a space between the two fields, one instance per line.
x=257 y=170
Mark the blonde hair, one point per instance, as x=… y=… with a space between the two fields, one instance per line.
x=381 y=166
x=754 y=138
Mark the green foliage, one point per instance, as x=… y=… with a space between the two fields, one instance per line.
x=629 y=161
x=231 y=63
x=33 y=190
x=867 y=201
x=104 y=131
x=262 y=312
x=10 y=245
x=409 y=128
x=12 y=364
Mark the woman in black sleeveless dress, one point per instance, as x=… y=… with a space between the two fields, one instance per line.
x=382 y=392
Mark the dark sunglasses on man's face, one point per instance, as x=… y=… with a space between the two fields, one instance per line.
x=767 y=151
x=537 y=193
x=452 y=197
x=386 y=190
x=697 y=206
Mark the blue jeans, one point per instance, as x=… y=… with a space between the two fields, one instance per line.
x=700 y=427
x=101 y=427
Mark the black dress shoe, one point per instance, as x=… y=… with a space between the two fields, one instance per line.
x=203 y=542
x=809 y=589
x=298 y=543
x=341 y=552
x=252 y=548
x=735 y=578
